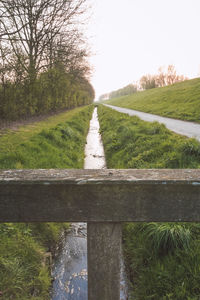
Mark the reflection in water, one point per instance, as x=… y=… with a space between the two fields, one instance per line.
x=94 y=151
x=70 y=269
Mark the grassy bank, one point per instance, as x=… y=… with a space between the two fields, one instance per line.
x=56 y=143
x=180 y=101
x=10 y=139
x=163 y=258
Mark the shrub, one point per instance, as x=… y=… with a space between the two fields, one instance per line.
x=167 y=237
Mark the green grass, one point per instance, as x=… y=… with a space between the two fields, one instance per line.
x=10 y=139
x=56 y=143
x=163 y=259
x=132 y=143
x=162 y=275
x=22 y=248
x=180 y=101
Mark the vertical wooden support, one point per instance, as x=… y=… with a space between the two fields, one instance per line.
x=104 y=253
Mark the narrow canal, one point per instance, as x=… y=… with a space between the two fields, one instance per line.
x=70 y=268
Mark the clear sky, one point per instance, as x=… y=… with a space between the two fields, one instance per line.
x=131 y=38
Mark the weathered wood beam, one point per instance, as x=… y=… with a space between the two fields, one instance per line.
x=104 y=256
x=99 y=195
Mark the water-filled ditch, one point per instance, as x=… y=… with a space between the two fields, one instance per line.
x=70 y=267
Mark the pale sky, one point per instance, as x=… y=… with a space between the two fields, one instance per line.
x=131 y=38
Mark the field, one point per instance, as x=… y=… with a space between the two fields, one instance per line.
x=179 y=101
x=163 y=259
x=56 y=143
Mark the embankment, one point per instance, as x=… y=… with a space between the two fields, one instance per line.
x=178 y=101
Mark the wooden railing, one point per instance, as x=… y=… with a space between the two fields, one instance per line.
x=104 y=199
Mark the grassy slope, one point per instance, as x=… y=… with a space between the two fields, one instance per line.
x=180 y=101
x=10 y=139
x=164 y=259
x=56 y=143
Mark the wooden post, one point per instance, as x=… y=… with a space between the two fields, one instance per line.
x=104 y=252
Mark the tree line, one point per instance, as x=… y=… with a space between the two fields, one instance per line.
x=43 y=57
x=148 y=81
x=161 y=79
x=127 y=90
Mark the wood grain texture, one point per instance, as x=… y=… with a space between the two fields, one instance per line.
x=99 y=195
x=104 y=253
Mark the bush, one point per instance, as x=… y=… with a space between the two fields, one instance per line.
x=165 y=237
x=52 y=90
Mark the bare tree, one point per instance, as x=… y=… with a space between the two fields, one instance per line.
x=161 y=78
x=171 y=76
x=71 y=52
x=36 y=30
x=148 y=82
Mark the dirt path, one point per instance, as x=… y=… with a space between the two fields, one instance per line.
x=14 y=125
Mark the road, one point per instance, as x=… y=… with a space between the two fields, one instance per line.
x=188 y=129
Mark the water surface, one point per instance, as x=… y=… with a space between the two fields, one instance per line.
x=70 y=268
